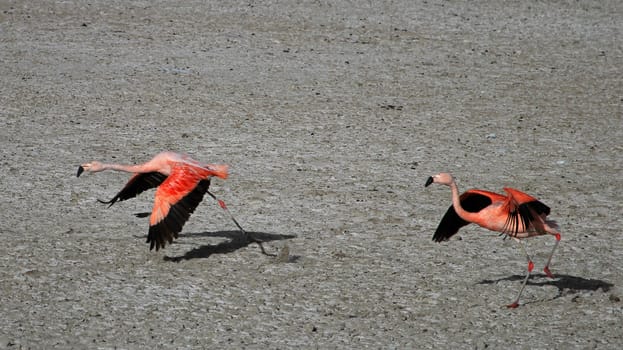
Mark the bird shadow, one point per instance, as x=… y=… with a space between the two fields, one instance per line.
x=566 y=284
x=235 y=241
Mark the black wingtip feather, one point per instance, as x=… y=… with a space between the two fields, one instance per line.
x=448 y=226
x=539 y=207
x=110 y=202
x=527 y=213
x=137 y=185
x=452 y=222
x=170 y=227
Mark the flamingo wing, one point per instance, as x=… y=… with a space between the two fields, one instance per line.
x=525 y=213
x=176 y=199
x=472 y=201
x=137 y=184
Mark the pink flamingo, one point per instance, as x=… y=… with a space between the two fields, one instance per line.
x=181 y=182
x=517 y=215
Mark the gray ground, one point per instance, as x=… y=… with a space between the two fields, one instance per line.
x=331 y=115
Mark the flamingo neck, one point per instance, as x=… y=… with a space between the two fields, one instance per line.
x=122 y=167
x=159 y=165
x=456 y=203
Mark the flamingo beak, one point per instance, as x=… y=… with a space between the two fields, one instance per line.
x=429 y=181
x=80 y=171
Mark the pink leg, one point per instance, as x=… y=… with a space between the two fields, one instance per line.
x=525 y=281
x=549 y=260
x=245 y=235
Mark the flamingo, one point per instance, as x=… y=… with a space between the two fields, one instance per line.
x=181 y=184
x=516 y=214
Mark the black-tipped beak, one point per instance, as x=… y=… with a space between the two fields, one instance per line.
x=429 y=181
x=80 y=171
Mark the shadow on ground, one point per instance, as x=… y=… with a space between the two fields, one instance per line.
x=570 y=284
x=235 y=242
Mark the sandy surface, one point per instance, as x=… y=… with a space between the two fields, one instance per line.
x=332 y=115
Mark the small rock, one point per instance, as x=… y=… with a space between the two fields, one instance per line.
x=284 y=254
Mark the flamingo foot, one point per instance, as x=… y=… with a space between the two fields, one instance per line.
x=548 y=272
x=513 y=305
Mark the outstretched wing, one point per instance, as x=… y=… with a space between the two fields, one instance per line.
x=136 y=185
x=452 y=222
x=176 y=199
x=526 y=213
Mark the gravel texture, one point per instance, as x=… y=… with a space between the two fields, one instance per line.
x=332 y=115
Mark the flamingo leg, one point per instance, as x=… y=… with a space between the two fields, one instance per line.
x=525 y=281
x=549 y=260
x=245 y=234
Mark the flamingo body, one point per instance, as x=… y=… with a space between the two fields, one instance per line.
x=181 y=184
x=512 y=214
x=515 y=214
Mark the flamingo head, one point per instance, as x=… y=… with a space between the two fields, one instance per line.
x=441 y=178
x=92 y=167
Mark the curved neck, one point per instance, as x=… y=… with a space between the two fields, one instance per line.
x=456 y=203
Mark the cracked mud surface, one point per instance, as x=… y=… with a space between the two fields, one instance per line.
x=331 y=116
